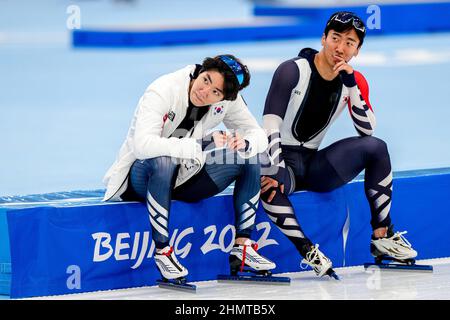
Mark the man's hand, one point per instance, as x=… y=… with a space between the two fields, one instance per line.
x=268 y=183
x=236 y=142
x=342 y=66
x=219 y=138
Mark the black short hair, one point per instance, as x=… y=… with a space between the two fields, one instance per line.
x=231 y=85
x=338 y=26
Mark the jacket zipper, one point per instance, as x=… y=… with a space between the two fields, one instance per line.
x=299 y=112
x=297 y=117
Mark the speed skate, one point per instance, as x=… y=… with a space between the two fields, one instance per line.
x=247 y=265
x=261 y=277
x=173 y=273
x=389 y=263
x=396 y=251
x=177 y=284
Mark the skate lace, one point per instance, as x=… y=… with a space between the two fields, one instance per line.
x=313 y=258
x=244 y=254
x=400 y=239
x=168 y=253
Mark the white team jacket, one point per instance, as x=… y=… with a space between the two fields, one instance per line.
x=159 y=112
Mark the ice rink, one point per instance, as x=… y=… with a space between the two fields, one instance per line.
x=356 y=284
x=65 y=112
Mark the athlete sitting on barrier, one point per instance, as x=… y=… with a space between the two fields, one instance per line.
x=306 y=96
x=165 y=155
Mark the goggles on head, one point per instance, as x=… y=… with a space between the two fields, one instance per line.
x=235 y=67
x=346 y=17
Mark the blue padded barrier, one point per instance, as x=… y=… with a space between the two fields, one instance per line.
x=5 y=258
x=420 y=205
x=396 y=18
x=78 y=245
x=283 y=29
x=291 y=22
x=108 y=243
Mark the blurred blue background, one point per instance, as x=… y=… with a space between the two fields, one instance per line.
x=65 y=111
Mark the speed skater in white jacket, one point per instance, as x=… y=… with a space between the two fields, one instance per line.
x=165 y=155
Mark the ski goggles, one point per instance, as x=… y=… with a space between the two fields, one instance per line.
x=346 y=17
x=235 y=67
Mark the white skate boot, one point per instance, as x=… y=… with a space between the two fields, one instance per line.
x=168 y=265
x=247 y=256
x=319 y=262
x=394 y=246
x=172 y=272
x=246 y=264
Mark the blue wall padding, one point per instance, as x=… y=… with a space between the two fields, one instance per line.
x=170 y=37
x=45 y=241
x=4 y=240
x=5 y=258
x=395 y=18
x=420 y=205
x=295 y=22
x=48 y=242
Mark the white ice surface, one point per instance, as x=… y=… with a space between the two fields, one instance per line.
x=356 y=284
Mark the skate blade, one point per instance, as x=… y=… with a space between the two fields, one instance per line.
x=254 y=279
x=400 y=267
x=332 y=274
x=169 y=284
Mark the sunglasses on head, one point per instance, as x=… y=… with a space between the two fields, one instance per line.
x=346 y=17
x=235 y=67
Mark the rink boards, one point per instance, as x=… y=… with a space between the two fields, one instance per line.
x=271 y=22
x=58 y=244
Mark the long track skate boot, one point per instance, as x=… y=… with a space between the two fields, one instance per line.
x=394 y=247
x=246 y=264
x=318 y=262
x=172 y=271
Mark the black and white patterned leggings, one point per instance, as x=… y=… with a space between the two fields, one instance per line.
x=330 y=168
x=152 y=181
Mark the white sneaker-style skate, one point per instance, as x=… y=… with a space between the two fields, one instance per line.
x=319 y=262
x=247 y=256
x=394 y=252
x=168 y=265
x=247 y=265
x=394 y=246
